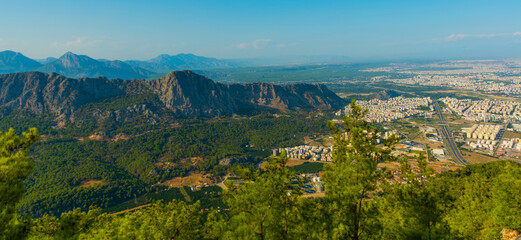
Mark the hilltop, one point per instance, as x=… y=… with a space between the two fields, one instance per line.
x=179 y=93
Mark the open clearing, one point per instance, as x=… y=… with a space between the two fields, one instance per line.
x=291 y=162
x=190 y=180
x=473 y=157
x=509 y=134
x=131 y=209
x=92 y=183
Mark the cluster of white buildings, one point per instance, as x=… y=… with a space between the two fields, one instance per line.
x=482 y=137
x=306 y=152
x=485 y=110
x=511 y=148
x=485 y=132
x=507 y=145
x=438 y=153
x=393 y=108
x=487 y=145
x=511 y=144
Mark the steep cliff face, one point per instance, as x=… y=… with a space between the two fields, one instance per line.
x=316 y=95
x=182 y=93
x=297 y=96
x=39 y=92
x=187 y=93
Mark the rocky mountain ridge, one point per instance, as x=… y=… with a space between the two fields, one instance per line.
x=181 y=93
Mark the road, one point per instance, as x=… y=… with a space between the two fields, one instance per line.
x=448 y=139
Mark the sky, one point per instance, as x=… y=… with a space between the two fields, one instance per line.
x=363 y=30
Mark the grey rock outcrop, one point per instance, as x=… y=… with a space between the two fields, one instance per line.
x=182 y=93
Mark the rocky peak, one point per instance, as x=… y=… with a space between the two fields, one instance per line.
x=187 y=93
x=180 y=92
x=71 y=60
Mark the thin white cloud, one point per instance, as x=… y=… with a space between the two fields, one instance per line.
x=256 y=44
x=453 y=38
x=261 y=43
x=78 y=42
x=243 y=45
x=460 y=36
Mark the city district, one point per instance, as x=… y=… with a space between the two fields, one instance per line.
x=467 y=132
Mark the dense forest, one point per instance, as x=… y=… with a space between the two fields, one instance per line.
x=478 y=201
x=64 y=159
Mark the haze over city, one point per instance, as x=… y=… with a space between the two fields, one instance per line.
x=359 y=30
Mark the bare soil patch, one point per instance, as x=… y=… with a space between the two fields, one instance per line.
x=473 y=157
x=291 y=162
x=131 y=209
x=190 y=180
x=509 y=134
x=95 y=137
x=92 y=183
x=314 y=195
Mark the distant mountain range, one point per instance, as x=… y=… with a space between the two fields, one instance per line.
x=46 y=60
x=16 y=62
x=179 y=93
x=166 y=63
x=78 y=66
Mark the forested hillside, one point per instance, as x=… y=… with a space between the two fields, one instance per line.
x=129 y=167
x=475 y=202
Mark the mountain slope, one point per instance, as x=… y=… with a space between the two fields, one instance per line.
x=293 y=97
x=187 y=93
x=166 y=63
x=40 y=92
x=77 y=66
x=16 y=62
x=46 y=60
x=182 y=93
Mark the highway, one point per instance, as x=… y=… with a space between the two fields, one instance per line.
x=448 y=139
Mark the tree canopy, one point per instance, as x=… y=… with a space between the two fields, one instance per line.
x=475 y=202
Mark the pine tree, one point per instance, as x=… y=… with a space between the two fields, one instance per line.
x=351 y=181
x=414 y=210
x=14 y=167
x=259 y=208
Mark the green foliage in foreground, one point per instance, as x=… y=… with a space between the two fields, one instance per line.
x=449 y=207
x=475 y=202
x=14 y=167
x=175 y=220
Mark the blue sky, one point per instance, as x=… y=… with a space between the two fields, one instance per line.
x=249 y=29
